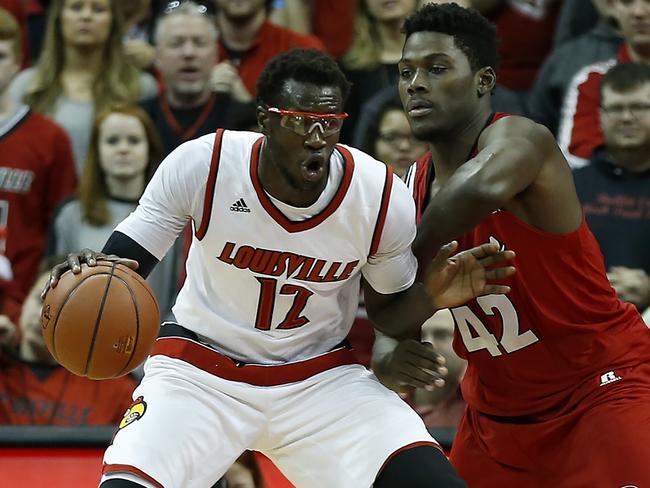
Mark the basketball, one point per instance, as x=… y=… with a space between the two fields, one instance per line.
x=102 y=322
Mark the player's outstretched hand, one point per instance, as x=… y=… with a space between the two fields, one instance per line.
x=76 y=259
x=454 y=279
x=414 y=364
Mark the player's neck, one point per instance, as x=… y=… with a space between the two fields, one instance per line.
x=240 y=36
x=451 y=150
x=278 y=186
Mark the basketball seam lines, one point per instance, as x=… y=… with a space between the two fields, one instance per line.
x=58 y=315
x=99 y=317
x=137 y=326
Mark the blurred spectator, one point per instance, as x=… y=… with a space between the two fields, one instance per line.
x=124 y=153
x=332 y=21
x=615 y=188
x=579 y=132
x=598 y=44
x=442 y=406
x=247 y=41
x=35 y=390
x=577 y=17
x=35 y=11
x=82 y=68
x=371 y=62
x=525 y=29
x=390 y=140
x=138 y=33
x=17 y=10
x=188 y=108
x=36 y=173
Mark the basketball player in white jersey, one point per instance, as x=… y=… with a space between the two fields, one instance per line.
x=286 y=223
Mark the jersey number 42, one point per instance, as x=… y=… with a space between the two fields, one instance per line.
x=512 y=339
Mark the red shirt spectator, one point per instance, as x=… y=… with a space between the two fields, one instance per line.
x=36 y=173
x=16 y=8
x=333 y=23
x=579 y=131
x=271 y=40
x=526 y=29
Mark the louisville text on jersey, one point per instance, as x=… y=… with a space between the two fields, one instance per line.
x=277 y=263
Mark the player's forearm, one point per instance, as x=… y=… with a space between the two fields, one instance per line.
x=460 y=205
x=402 y=315
x=123 y=246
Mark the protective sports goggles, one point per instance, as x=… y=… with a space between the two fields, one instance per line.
x=303 y=123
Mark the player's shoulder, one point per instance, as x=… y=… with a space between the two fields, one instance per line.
x=509 y=126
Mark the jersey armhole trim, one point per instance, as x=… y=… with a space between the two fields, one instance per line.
x=209 y=189
x=125 y=468
x=383 y=210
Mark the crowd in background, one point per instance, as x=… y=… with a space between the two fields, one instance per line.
x=95 y=93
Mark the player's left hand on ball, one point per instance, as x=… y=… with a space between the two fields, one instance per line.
x=75 y=260
x=454 y=279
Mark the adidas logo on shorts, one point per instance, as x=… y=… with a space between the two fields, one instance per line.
x=240 y=206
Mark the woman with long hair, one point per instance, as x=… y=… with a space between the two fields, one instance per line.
x=124 y=153
x=371 y=62
x=82 y=69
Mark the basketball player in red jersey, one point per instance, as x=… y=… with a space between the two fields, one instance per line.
x=558 y=379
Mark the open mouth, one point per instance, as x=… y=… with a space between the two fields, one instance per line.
x=313 y=168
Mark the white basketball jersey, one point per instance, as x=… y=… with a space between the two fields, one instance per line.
x=266 y=289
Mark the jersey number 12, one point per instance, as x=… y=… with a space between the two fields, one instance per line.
x=266 y=304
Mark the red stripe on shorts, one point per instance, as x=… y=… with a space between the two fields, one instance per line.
x=224 y=367
x=125 y=468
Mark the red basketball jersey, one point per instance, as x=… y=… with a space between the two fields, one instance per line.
x=561 y=325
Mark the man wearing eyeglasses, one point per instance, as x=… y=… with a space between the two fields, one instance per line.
x=615 y=188
x=286 y=224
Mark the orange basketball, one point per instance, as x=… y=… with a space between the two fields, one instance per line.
x=102 y=322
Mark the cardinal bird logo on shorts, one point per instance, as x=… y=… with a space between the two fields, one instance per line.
x=134 y=412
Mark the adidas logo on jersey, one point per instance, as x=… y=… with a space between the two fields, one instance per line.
x=240 y=206
x=609 y=377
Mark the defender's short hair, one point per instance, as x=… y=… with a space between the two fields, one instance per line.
x=303 y=65
x=625 y=77
x=473 y=34
x=10 y=31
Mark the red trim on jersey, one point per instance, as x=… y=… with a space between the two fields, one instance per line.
x=212 y=181
x=407 y=447
x=125 y=468
x=383 y=210
x=310 y=223
x=224 y=367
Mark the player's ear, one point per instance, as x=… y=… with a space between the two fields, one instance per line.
x=487 y=79
x=262 y=119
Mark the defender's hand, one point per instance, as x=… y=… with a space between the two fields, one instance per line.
x=75 y=260
x=453 y=280
x=414 y=364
